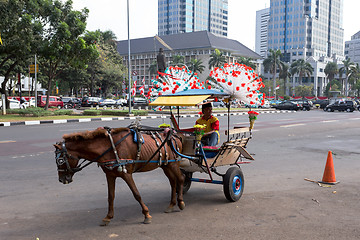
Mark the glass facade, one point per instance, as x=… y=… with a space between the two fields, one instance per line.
x=177 y=16
x=304 y=28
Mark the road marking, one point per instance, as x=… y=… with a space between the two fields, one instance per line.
x=354 y=118
x=293 y=125
x=7 y=141
x=329 y=121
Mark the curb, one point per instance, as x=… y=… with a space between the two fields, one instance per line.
x=59 y=121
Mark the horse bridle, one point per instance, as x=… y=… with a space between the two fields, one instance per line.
x=61 y=157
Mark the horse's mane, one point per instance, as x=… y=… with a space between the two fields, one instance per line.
x=89 y=135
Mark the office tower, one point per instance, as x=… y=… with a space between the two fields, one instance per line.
x=352 y=48
x=306 y=28
x=179 y=16
x=261 y=33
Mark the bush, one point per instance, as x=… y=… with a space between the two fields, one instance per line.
x=31 y=111
x=63 y=112
x=91 y=112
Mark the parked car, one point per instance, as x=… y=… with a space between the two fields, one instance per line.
x=347 y=105
x=71 y=102
x=138 y=101
x=218 y=104
x=107 y=103
x=321 y=103
x=306 y=105
x=266 y=104
x=30 y=103
x=53 y=101
x=121 y=102
x=90 y=101
x=273 y=103
x=288 y=105
x=14 y=104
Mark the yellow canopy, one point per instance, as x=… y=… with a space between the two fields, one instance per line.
x=179 y=100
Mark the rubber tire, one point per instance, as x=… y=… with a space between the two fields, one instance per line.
x=328 y=110
x=233 y=184
x=187 y=182
x=348 y=110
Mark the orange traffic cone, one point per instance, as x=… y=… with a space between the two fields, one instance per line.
x=329 y=172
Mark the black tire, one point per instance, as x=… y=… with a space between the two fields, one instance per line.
x=233 y=184
x=187 y=182
x=328 y=110
x=348 y=110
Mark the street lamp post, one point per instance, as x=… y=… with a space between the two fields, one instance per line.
x=129 y=63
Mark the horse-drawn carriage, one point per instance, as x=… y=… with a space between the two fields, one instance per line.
x=198 y=158
x=120 y=152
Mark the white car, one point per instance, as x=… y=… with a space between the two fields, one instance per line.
x=121 y=102
x=14 y=104
x=107 y=103
x=29 y=104
x=266 y=104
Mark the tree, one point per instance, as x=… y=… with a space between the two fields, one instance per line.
x=348 y=68
x=20 y=29
x=195 y=65
x=217 y=59
x=284 y=74
x=153 y=68
x=177 y=60
x=331 y=69
x=302 y=68
x=272 y=63
x=304 y=90
x=247 y=61
x=63 y=44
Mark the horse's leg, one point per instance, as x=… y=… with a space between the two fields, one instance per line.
x=174 y=181
x=111 y=196
x=130 y=182
x=180 y=179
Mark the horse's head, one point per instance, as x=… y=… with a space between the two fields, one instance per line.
x=66 y=163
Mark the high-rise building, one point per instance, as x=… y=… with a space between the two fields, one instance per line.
x=261 y=33
x=352 y=48
x=180 y=16
x=311 y=30
x=305 y=28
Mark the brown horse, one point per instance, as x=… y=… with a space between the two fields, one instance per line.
x=119 y=156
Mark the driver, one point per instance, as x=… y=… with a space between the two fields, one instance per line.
x=211 y=136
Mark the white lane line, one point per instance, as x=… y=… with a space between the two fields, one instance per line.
x=354 y=118
x=293 y=125
x=330 y=121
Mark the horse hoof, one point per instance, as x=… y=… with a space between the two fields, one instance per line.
x=147 y=221
x=105 y=222
x=182 y=205
x=169 y=210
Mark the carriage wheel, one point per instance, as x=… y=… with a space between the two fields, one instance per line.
x=187 y=182
x=233 y=184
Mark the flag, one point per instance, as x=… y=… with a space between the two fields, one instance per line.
x=1 y=40
x=277 y=87
x=57 y=88
x=142 y=90
x=133 y=89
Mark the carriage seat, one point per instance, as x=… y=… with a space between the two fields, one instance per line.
x=211 y=151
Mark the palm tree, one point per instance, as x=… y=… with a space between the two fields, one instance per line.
x=284 y=74
x=195 y=65
x=331 y=69
x=272 y=63
x=247 y=61
x=348 y=68
x=177 y=60
x=217 y=59
x=302 y=68
x=153 y=68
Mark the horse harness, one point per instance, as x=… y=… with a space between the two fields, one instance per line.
x=62 y=155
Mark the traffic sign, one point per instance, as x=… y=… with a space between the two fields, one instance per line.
x=134 y=73
x=32 y=68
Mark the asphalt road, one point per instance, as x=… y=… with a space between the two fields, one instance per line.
x=276 y=204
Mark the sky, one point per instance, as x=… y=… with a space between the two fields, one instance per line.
x=112 y=15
